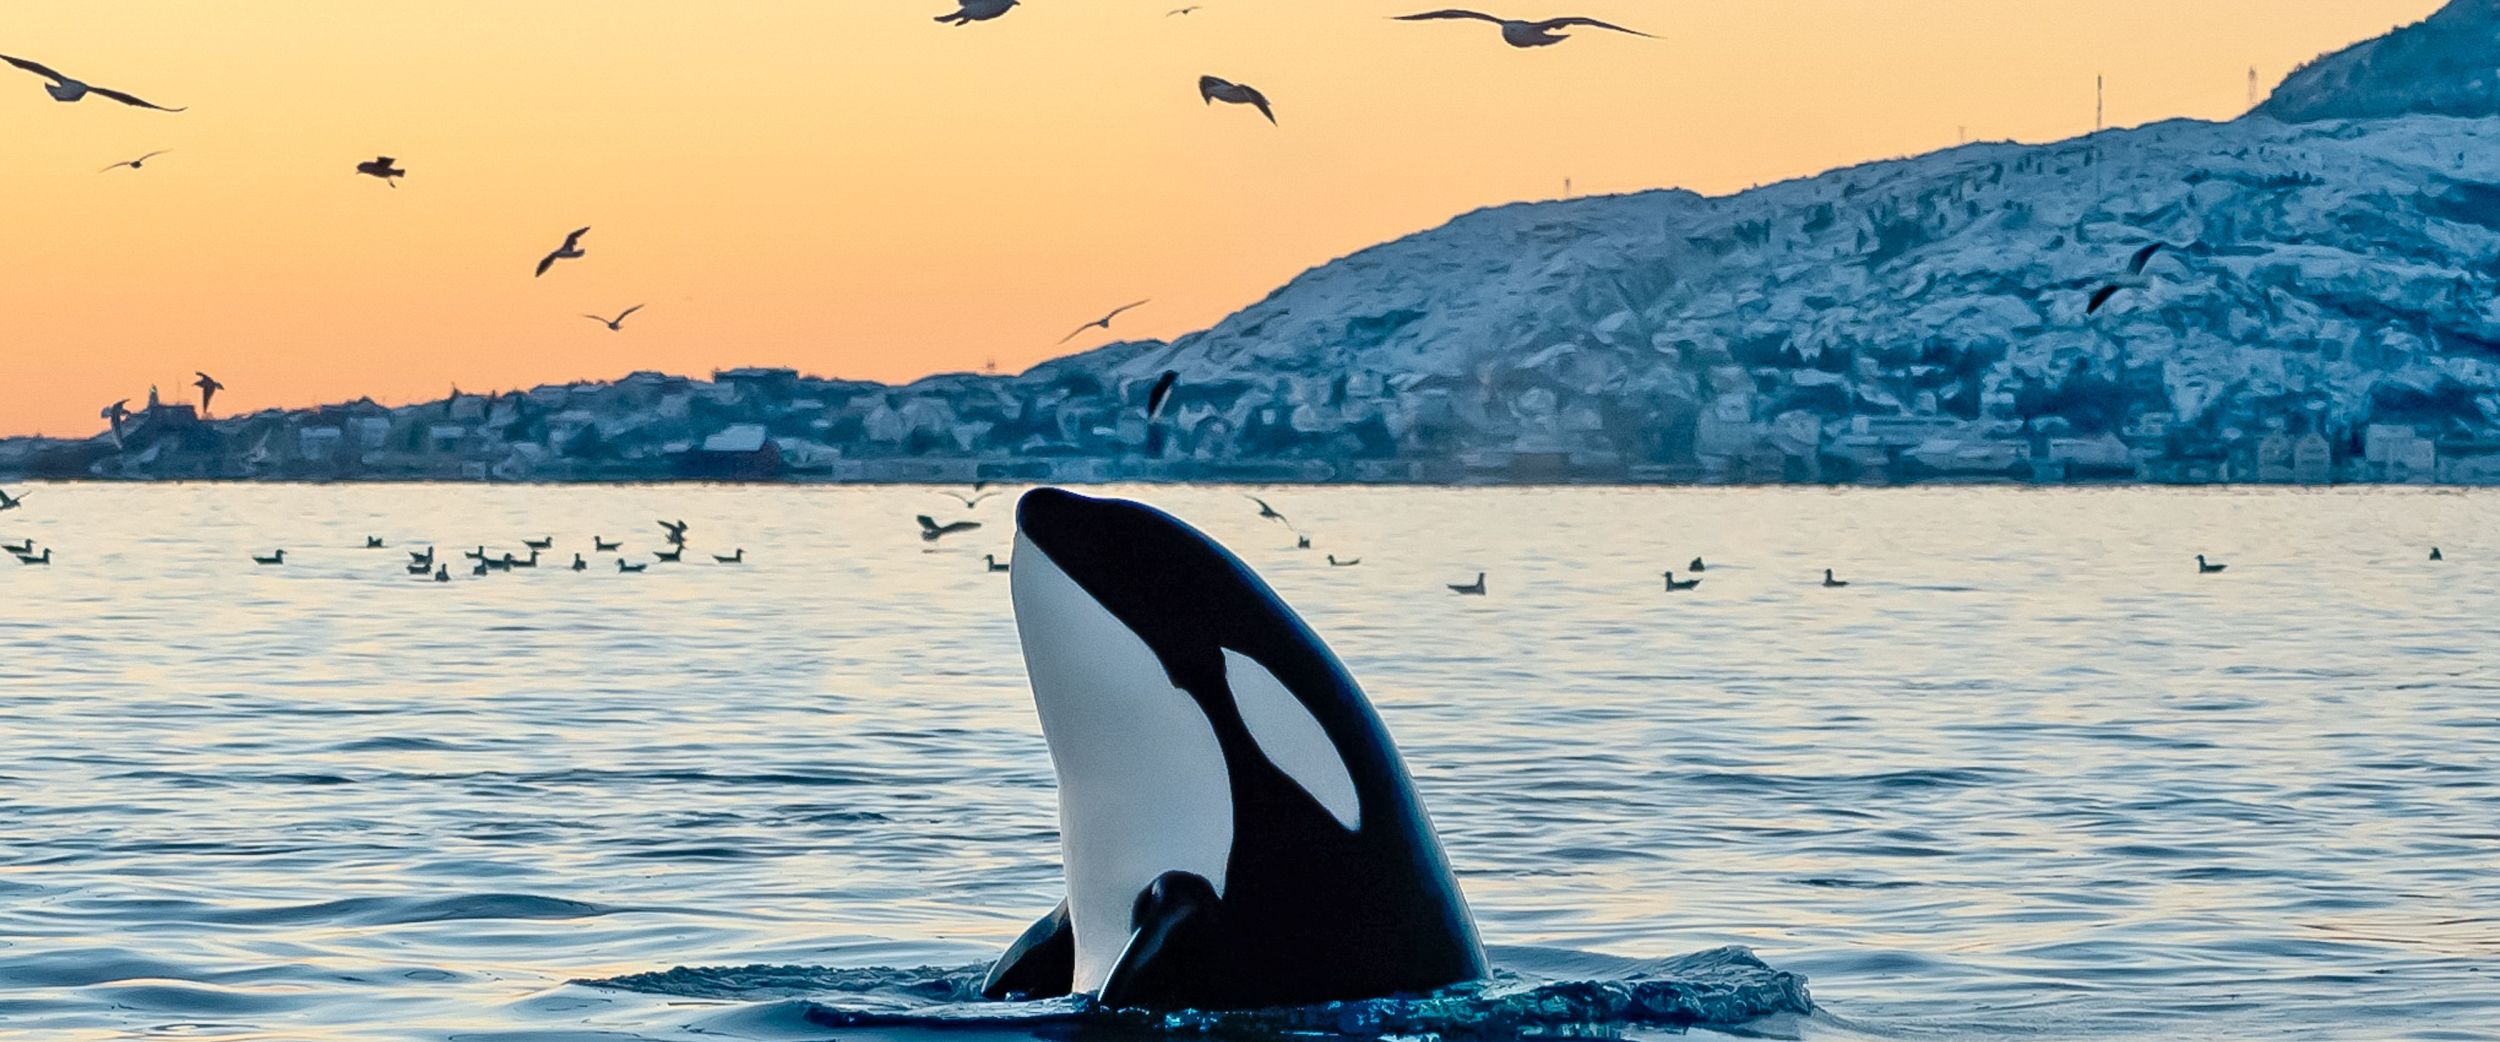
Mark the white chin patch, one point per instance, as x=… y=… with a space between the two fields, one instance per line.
x=1142 y=788
x=1292 y=738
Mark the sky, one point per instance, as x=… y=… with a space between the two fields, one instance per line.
x=850 y=189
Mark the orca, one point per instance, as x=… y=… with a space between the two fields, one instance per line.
x=1237 y=828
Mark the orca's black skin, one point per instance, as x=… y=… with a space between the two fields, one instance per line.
x=1311 y=912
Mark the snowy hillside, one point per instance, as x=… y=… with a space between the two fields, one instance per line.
x=2449 y=65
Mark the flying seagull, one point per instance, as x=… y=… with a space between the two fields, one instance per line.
x=676 y=532
x=970 y=11
x=1519 y=32
x=134 y=163
x=1103 y=322
x=932 y=531
x=617 y=324
x=572 y=248
x=63 y=88
x=8 y=502
x=2133 y=279
x=380 y=166
x=969 y=502
x=1267 y=511
x=117 y=414
x=209 y=387
x=1212 y=90
x=1182 y=10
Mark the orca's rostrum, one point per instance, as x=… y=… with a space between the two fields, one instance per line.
x=1237 y=827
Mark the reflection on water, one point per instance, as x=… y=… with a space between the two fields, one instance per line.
x=2029 y=775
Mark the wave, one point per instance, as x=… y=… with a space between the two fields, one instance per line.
x=1533 y=992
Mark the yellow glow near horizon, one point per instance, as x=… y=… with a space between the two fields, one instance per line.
x=850 y=189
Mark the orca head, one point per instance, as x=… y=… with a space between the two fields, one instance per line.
x=1184 y=705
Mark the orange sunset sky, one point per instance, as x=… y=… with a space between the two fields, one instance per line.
x=845 y=187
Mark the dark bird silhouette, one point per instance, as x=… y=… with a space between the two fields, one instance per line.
x=2099 y=297
x=478 y=554
x=117 y=414
x=572 y=248
x=617 y=324
x=1269 y=512
x=1832 y=583
x=209 y=387
x=598 y=545
x=1473 y=589
x=2203 y=568
x=623 y=567
x=676 y=531
x=671 y=556
x=1182 y=10
x=1696 y=566
x=2133 y=279
x=969 y=502
x=278 y=557
x=992 y=562
x=442 y=574
x=1519 y=32
x=1333 y=562
x=931 y=531
x=134 y=163
x=421 y=558
x=32 y=559
x=8 y=502
x=1673 y=586
x=380 y=166
x=510 y=562
x=480 y=569
x=419 y=568
x=539 y=544
x=737 y=558
x=2435 y=555
x=970 y=11
x=1213 y=89
x=1103 y=323
x=26 y=547
x=373 y=542
x=1301 y=542
x=63 y=88
x=579 y=564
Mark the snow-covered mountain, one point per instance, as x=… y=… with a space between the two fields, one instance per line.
x=2448 y=65
x=2325 y=309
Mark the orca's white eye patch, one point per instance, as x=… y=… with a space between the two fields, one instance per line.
x=1292 y=738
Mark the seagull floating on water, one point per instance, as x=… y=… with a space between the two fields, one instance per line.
x=1832 y=583
x=1333 y=562
x=572 y=248
x=32 y=559
x=931 y=531
x=1473 y=589
x=621 y=566
x=598 y=545
x=63 y=88
x=442 y=574
x=970 y=11
x=2203 y=568
x=539 y=544
x=1687 y=584
x=1212 y=89
x=1519 y=32
x=992 y=562
x=579 y=564
x=2435 y=555
x=373 y=542
x=1696 y=566
x=617 y=324
x=671 y=556
x=277 y=557
x=134 y=163
x=1104 y=323
x=737 y=558
x=380 y=166
x=26 y=547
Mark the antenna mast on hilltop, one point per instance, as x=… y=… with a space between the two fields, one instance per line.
x=2252 y=87
x=2096 y=103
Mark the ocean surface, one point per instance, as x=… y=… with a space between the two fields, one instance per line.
x=2030 y=776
